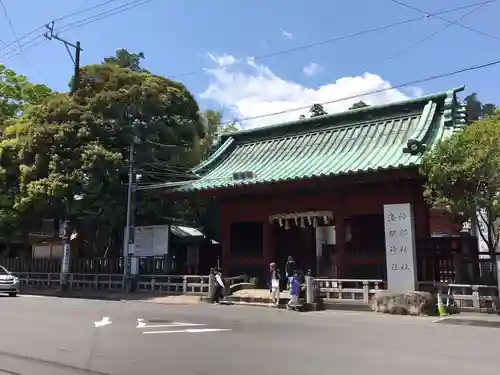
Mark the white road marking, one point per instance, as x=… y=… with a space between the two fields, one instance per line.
x=194 y=330
x=104 y=322
x=172 y=325
x=141 y=323
x=438 y=320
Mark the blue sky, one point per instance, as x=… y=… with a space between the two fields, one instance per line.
x=184 y=36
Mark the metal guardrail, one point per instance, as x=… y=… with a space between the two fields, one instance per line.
x=463 y=295
x=179 y=284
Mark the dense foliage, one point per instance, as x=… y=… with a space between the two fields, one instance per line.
x=67 y=156
x=463 y=175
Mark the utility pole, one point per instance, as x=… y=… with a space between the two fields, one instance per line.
x=76 y=59
x=130 y=266
x=64 y=232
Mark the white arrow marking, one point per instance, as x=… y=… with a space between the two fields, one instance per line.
x=194 y=330
x=141 y=323
x=172 y=325
x=104 y=322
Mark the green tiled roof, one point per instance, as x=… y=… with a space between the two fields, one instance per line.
x=359 y=141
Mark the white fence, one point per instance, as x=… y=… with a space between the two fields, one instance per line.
x=349 y=289
x=465 y=296
x=176 y=284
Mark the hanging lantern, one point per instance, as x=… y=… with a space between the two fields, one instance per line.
x=309 y=220
x=287 y=225
x=315 y=222
x=280 y=222
x=325 y=219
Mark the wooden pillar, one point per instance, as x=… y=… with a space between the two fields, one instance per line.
x=267 y=242
x=225 y=236
x=340 y=237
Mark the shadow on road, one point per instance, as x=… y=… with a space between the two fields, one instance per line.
x=471 y=322
x=107 y=296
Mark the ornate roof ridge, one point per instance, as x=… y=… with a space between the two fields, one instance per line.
x=314 y=123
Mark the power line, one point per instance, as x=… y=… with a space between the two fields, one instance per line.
x=97 y=17
x=94 y=18
x=26 y=45
x=483 y=33
x=85 y=10
x=410 y=83
x=338 y=38
x=135 y=3
x=11 y=26
x=432 y=35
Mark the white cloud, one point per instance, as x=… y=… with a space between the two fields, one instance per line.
x=312 y=68
x=250 y=89
x=223 y=60
x=286 y=34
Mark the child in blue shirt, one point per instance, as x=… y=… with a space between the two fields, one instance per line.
x=294 y=291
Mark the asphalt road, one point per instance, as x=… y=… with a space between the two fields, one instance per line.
x=53 y=336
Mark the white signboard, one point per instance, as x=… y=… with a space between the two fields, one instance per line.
x=66 y=255
x=400 y=247
x=151 y=241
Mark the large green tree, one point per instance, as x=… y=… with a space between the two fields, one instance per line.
x=463 y=176
x=73 y=151
x=476 y=109
x=18 y=96
x=125 y=59
x=215 y=126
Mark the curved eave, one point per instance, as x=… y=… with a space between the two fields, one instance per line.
x=255 y=182
x=216 y=157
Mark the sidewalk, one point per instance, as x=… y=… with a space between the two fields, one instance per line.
x=471 y=319
x=262 y=297
x=116 y=296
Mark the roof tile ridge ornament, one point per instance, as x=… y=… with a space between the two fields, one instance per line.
x=455 y=112
x=448 y=108
x=415 y=144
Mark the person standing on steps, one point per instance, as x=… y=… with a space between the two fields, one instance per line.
x=274 y=283
x=294 y=292
x=290 y=268
x=220 y=286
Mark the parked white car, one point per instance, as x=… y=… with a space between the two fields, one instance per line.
x=8 y=282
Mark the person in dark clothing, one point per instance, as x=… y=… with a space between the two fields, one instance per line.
x=274 y=278
x=219 y=287
x=290 y=268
